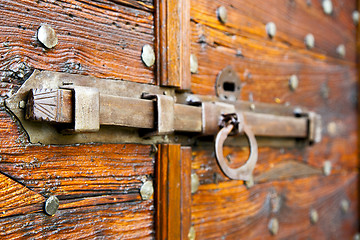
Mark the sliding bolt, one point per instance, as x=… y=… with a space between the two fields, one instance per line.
x=221 y=13
x=51 y=205
x=327 y=6
x=47 y=36
x=314 y=216
x=309 y=41
x=273 y=226
x=341 y=51
x=293 y=82
x=193 y=64
x=148 y=55
x=270 y=29
x=355 y=17
x=146 y=190
x=195 y=182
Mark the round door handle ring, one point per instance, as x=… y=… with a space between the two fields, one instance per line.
x=245 y=171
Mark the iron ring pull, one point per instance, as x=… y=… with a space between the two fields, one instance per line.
x=245 y=171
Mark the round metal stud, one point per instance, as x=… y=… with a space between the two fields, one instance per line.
x=293 y=82
x=327 y=7
x=147 y=190
x=193 y=64
x=309 y=41
x=341 y=50
x=148 y=55
x=355 y=17
x=270 y=29
x=357 y=236
x=252 y=107
x=273 y=226
x=195 y=182
x=345 y=205
x=192 y=233
x=221 y=13
x=314 y=216
x=327 y=168
x=51 y=205
x=332 y=129
x=47 y=36
x=249 y=183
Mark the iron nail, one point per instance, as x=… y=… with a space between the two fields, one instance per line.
x=22 y=104
x=314 y=216
x=252 y=107
x=273 y=226
x=47 y=36
x=332 y=128
x=357 y=236
x=249 y=183
x=222 y=14
x=192 y=233
x=51 y=205
x=195 y=182
x=193 y=64
x=327 y=6
x=310 y=41
x=293 y=82
x=270 y=29
x=355 y=17
x=147 y=190
x=327 y=168
x=341 y=50
x=345 y=205
x=148 y=55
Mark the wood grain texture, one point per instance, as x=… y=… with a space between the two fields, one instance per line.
x=99 y=38
x=229 y=210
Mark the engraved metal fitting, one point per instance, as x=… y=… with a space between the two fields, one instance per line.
x=193 y=64
x=270 y=29
x=341 y=50
x=195 y=182
x=273 y=226
x=221 y=13
x=51 y=205
x=355 y=17
x=327 y=7
x=309 y=41
x=147 y=190
x=47 y=36
x=192 y=233
x=314 y=216
x=148 y=55
x=293 y=82
x=327 y=168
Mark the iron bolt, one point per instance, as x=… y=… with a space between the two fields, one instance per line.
x=193 y=64
x=47 y=36
x=195 y=183
x=51 y=205
x=293 y=82
x=273 y=226
x=270 y=29
x=222 y=14
x=327 y=168
x=147 y=190
x=309 y=41
x=327 y=6
x=341 y=50
x=355 y=17
x=148 y=55
x=314 y=216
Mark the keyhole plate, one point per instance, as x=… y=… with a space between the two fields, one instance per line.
x=227 y=84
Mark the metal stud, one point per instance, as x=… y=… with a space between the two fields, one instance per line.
x=192 y=233
x=309 y=41
x=293 y=82
x=221 y=13
x=327 y=168
x=341 y=50
x=47 y=36
x=314 y=216
x=327 y=7
x=270 y=29
x=273 y=226
x=345 y=205
x=195 y=183
x=147 y=190
x=332 y=129
x=193 y=64
x=355 y=17
x=252 y=107
x=249 y=183
x=51 y=205
x=357 y=236
x=148 y=55
x=22 y=104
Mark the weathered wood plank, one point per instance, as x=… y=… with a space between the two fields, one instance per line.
x=228 y=210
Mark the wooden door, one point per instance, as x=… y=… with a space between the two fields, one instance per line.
x=298 y=192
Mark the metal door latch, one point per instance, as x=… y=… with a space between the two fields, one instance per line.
x=65 y=108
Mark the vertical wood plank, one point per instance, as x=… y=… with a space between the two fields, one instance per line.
x=172 y=20
x=173 y=192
